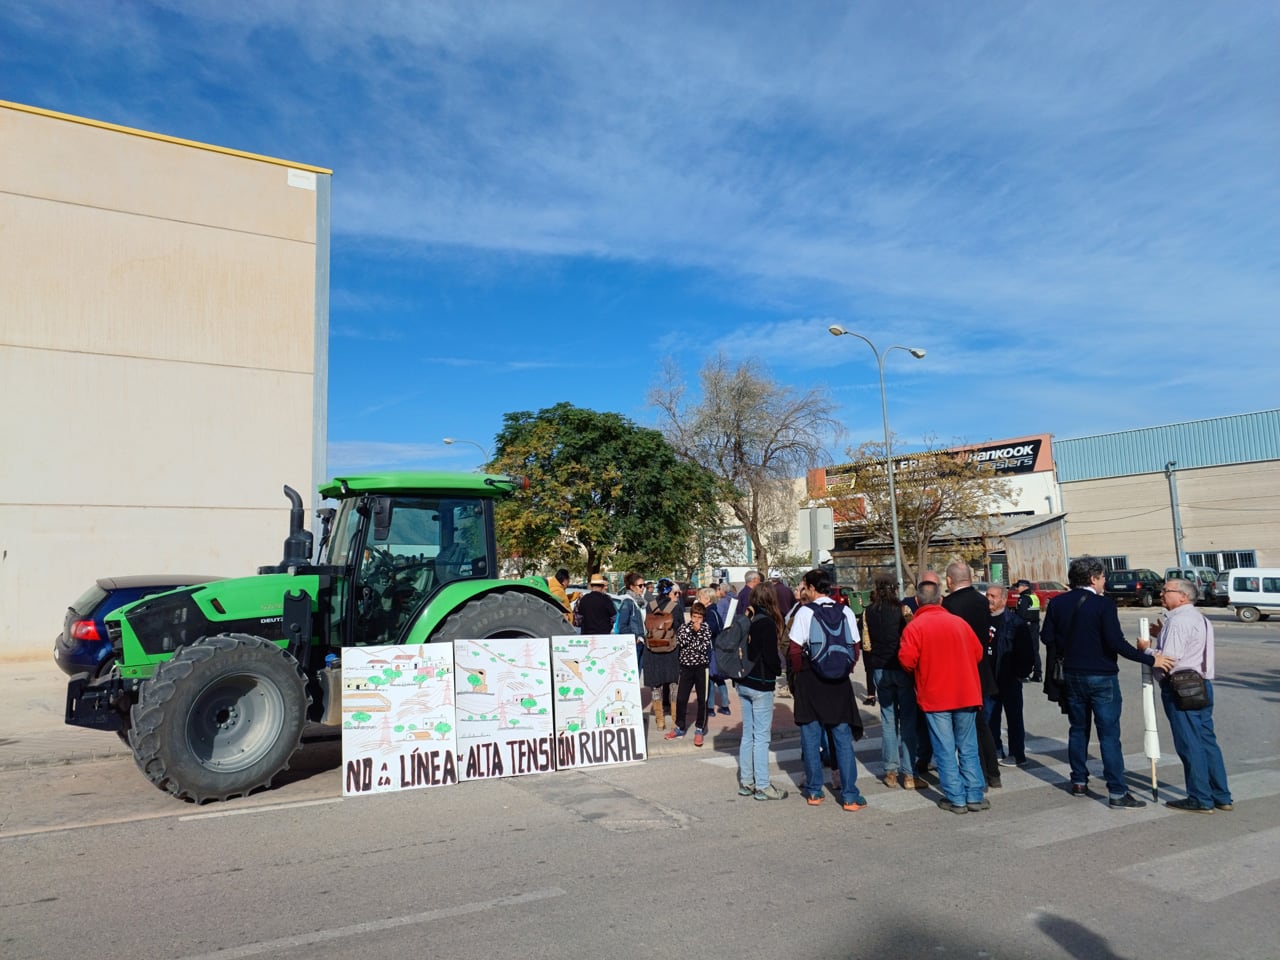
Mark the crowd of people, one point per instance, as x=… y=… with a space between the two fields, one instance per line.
x=945 y=668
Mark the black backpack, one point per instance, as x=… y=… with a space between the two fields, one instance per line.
x=730 y=649
x=831 y=649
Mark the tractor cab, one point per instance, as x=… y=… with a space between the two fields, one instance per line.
x=391 y=553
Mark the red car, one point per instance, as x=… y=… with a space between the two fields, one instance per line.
x=1046 y=590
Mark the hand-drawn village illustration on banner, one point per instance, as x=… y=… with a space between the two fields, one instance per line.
x=398 y=718
x=504 y=707
x=597 y=700
x=439 y=713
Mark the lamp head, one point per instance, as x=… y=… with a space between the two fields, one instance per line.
x=836 y=330
x=448 y=440
x=916 y=352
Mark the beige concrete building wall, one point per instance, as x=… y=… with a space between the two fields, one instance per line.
x=160 y=304
x=1231 y=508
x=1222 y=508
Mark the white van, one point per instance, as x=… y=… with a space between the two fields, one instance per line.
x=1253 y=592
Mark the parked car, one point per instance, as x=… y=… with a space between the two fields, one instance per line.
x=1221 y=592
x=1138 y=586
x=1203 y=577
x=83 y=644
x=1046 y=590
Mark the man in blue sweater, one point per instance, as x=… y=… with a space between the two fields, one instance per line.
x=1084 y=627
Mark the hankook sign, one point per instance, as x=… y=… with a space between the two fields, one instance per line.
x=1017 y=457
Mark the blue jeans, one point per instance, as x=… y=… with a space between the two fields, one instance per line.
x=897 y=694
x=955 y=753
x=1096 y=696
x=811 y=737
x=1009 y=702
x=1197 y=748
x=719 y=693
x=757 y=731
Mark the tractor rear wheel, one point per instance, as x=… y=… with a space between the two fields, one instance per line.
x=505 y=614
x=220 y=719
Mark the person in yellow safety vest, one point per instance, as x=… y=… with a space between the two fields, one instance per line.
x=556 y=585
x=1029 y=609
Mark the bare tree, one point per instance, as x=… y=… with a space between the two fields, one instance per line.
x=934 y=488
x=753 y=433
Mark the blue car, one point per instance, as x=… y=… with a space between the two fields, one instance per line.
x=83 y=644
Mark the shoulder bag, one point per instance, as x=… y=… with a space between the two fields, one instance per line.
x=1188 y=686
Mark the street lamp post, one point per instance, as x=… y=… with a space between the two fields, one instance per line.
x=838 y=331
x=485 y=450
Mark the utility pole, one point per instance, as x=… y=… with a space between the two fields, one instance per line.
x=1177 y=519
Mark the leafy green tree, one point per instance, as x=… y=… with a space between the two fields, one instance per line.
x=603 y=492
x=754 y=434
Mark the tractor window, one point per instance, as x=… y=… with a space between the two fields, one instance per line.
x=428 y=543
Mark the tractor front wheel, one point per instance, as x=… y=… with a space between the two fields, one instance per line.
x=220 y=719
x=505 y=614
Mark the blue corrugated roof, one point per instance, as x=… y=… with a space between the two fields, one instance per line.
x=1244 y=438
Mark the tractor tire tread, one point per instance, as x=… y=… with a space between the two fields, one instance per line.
x=150 y=716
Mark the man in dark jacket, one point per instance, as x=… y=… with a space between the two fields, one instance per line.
x=971 y=607
x=1009 y=648
x=595 y=609
x=1084 y=628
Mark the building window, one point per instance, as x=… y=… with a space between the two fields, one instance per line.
x=1238 y=558
x=1224 y=560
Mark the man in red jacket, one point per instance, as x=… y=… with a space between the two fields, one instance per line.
x=941 y=651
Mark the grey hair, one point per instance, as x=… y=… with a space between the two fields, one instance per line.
x=1184 y=587
x=928 y=594
x=1004 y=591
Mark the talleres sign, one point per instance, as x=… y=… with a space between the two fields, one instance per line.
x=437 y=714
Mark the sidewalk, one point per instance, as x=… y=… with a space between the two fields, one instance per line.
x=35 y=734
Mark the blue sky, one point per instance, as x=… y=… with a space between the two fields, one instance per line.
x=1074 y=207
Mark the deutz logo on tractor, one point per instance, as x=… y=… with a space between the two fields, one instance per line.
x=212 y=695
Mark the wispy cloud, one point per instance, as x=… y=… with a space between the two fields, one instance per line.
x=1059 y=201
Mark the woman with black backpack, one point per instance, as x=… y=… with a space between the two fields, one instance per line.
x=894 y=686
x=755 y=695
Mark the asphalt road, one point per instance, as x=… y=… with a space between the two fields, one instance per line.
x=660 y=858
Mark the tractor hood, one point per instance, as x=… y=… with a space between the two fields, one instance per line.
x=153 y=628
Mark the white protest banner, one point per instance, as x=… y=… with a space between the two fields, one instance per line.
x=505 y=720
x=598 y=713
x=398 y=719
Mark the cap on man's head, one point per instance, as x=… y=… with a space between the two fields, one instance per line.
x=1023 y=583
x=598 y=580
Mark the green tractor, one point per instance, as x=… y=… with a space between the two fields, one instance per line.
x=215 y=682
